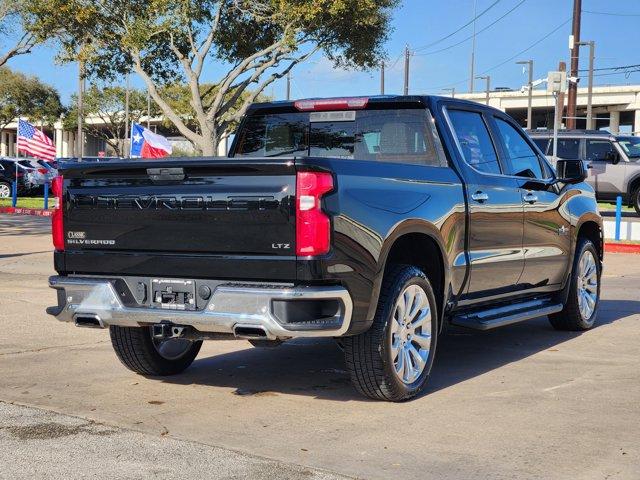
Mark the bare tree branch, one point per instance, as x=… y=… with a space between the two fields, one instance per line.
x=21 y=47
x=164 y=106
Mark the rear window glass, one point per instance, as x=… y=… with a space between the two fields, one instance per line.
x=404 y=136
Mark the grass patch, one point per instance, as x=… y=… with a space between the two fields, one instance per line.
x=602 y=206
x=27 y=202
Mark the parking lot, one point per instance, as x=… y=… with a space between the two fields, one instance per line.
x=523 y=401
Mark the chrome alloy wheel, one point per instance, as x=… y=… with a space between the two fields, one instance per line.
x=411 y=334
x=5 y=191
x=171 y=348
x=587 y=285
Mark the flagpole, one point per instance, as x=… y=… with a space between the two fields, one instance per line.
x=131 y=139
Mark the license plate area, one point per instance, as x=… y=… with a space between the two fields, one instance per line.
x=173 y=294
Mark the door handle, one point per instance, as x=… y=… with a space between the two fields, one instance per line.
x=480 y=197
x=530 y=197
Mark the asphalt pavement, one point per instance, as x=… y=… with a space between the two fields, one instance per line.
x=522 y=402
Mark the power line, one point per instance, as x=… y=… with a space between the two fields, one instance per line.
x=510 y=58
x=461 y=28
x=613 y=14
x=471 y=36
x=619 y=67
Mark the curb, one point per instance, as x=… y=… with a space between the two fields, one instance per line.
x=38 y=212
x=610 y=247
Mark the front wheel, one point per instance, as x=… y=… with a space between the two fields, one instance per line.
x=140 y=352
x=580 y=311
x=392 y=360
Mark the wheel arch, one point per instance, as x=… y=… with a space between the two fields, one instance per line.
x=632 y=186
x=591 y=228
x=417 y=243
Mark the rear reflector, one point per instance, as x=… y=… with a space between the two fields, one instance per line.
x=355 y=103
x=313 y=226
x=57 y=224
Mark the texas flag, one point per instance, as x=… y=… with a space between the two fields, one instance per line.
x=146 y=144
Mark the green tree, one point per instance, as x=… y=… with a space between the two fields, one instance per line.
x=24 y=96
x=13 y=41
x=104 y=114
x=253 y=43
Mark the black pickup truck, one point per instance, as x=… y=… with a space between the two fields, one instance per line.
x=375 y=221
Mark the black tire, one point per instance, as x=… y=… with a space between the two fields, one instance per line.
x=137 y=351
x=635 y=198
x=5 y=186
x=570 y=317
x=369 y=355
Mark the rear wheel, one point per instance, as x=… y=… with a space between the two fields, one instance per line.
x=581 y=309
x=636 y=200
x=393 y=359
x=5 y=190
x=139 y=351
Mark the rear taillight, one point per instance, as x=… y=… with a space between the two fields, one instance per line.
x=313 y=226
x=57 y=223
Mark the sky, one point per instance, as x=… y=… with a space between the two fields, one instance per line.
x=529 y=29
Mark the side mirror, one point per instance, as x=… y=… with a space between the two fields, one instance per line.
x=613 y=157
x=571 y=171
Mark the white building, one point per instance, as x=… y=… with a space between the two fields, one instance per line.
x=616 y=108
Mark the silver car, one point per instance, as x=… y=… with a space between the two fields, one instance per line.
x=614 y=160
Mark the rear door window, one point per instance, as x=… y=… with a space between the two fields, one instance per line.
x=568 y=148
x=475 y=141
x=394 y=135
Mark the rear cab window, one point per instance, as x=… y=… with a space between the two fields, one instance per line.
x=385 y=135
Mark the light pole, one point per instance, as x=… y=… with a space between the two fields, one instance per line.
x=473 y=46
x=488 y=88
x=592 y=47
x=529 y=64
x=407 y=55
x=452 y=90
x=382 y=78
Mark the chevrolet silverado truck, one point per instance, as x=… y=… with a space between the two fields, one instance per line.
x=373 y=220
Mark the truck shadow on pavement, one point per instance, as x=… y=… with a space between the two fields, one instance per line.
x=315 y=367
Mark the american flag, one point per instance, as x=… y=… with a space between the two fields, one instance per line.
x=35 y=143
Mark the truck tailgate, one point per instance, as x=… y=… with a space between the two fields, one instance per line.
x=211 y=207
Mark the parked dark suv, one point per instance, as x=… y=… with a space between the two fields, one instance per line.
x=374 y=221
x=8 y=175
x=614 y=160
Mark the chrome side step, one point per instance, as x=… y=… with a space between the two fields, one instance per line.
x=506 y=314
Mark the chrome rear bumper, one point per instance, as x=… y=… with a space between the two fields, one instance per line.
x=230 y=307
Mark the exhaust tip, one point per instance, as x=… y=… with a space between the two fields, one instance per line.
x=88 y=321
x=249 y=332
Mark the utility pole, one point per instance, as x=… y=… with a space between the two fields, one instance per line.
x=289 y=85
x=80 y=140
x=562 y=67
x=487 y=78
x=407 y=54
x=592 y=47
x=529 y=64
x=126 y=113
x=575 y=60
x=382 y=78
x=452 y=90
x=473 y=47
